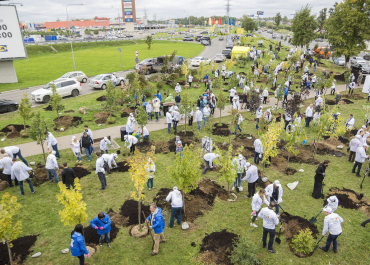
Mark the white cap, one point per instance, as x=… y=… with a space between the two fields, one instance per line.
x=241 y=157
x=364 y=126
x=248 y=164
x=105 y=138
x=332 y=198
x=217 y=155
x=125 y=137
x=338 y=113
x=53 y=152
x=177 y=83
x=327 y=209
x=131 y=115
x=73 y=137
x=115 y=155
x=365 y=145
x=197 y=107
x=175 y=188
x=358 y=136
x=276 y=182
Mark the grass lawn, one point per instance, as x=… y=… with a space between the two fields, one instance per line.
x=38 y=70
x=40 y=211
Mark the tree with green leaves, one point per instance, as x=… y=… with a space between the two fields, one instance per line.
x=348 y=27
x=228 y=168
x=222 y=101
x=303 y=26
x=112 y=93
x=270 y=140
x=321 y=19
x=277 y=19
x=9 y=228
x=25 y=109
x=38 y=129
x=56 y=100
x=294 y=135
x=185 y=71
x=142 y=117
x=136 y=89
x=149 y=41
x=285 y=20
x=248 y=24
x=186 y=106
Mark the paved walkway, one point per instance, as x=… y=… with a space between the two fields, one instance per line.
x=29 y=149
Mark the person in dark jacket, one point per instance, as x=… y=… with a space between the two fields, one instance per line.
x=337 y=98
x=101 y=223
x=157 y=224
x=78 y=248
x=86 y=142
x=319 y=179
x=68 y=176
x=178 y=100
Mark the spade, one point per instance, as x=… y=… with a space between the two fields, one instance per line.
x=322 y=191
x=367 y=171
x=317 y=244
x=313 y=219
x=277 y=239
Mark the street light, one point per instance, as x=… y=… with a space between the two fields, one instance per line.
x=69 y=31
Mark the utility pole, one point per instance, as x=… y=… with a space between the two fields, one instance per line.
x=228 y=14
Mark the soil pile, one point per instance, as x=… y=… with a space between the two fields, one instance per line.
x=92 y=237
x=41 y=175
x=20 y=250
x=117 y=218
x=126 y=112
x=48 y=108
x=325 y=149
x=353 y=96
x=216 y=247
x=349 y=199
x=187 y=134
x=345 y=101
x=144 y=146
x=290 y=171
x=81 y=171
x=221 y=129
x=330 y=102
x=13 y=130
x=121 y=167
x=130 y=210
x=102 y=98
x=66 y=121
x=102 y=117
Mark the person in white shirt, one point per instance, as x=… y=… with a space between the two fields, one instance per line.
x=259 y=113
x=288 y=119
x=145 y=133
x=199 y=118
x=175 y=197
x=104 y=145
x=6 y=164
x=258 y=150
x=176 y=118
x=109 y=159
x=100 y=171
x=353 y=145
x=178 y=88
x=363 y=128
x=246 y=89
x=333 y=202
x=190 y=80
x=309 y=113
x=258 y=199
x=223 y=67
x=240 y=164
x=130 y=125
x=216 y=74
x=313 y=81
x=208 y=159
x=239 y=119
x=156 y=106
x=332 y=224
x=251 y=174
x=149 y=110
x=89 y=133
x=51 y=167
x=169 y=119
x=241 y=82
x=13 y=152
x=232 y=94
x=236 y=103
x=265 y=94
x=114 y=80
x=19 y=172
x=351 y=87
x=270 y=220
x=268 y=116
x=150 y=168
x=52 y=143
x=360 y=159
x=132 y=141
x=274 y=193
x=332 y=89
x=206 y=114
x=75 y=144
x=349 y=125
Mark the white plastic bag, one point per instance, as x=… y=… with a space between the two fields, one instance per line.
x=293 y=185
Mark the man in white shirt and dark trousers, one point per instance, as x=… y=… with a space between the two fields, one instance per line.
x=175 y=197
x=52 y=143
x=332 y=224
x=169 y=120
x=270 y=220
x=19 y=172
x=353 y=145
x=360 y=159
x=51 y=167
x=258 y=150
x=208 y=159
x=100 y=171
x=251 y=175
x=6 y=164
x=13 y=152
x=309 y=113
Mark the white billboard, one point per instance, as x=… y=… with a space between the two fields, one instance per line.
x=11 y=40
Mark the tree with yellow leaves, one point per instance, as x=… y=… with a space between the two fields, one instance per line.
x=270 y=140
x=295 y=135
x=139 y=175
x=229 y=64
x=228 y=168
x=185 y=71
x=9 y=206
x=74 y=211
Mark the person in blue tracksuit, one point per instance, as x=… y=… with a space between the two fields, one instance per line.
x=157 y=224
x=78 y=248
x=102 y=224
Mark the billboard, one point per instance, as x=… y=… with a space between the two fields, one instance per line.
x=11 y=40
x=127 y=5
x=128 y=13
x=129 y=20
x=260 y=13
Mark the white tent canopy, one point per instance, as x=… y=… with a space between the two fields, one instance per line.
x=366 y=87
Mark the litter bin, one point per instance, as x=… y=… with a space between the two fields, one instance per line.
x=165 y=110
x=123 y=133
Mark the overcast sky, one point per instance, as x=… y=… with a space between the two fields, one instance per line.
x=51 y=10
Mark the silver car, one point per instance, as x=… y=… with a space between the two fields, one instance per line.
x=101 y=81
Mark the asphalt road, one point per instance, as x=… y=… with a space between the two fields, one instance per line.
x=217 y=46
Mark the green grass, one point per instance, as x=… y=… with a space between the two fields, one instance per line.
x=41 y=69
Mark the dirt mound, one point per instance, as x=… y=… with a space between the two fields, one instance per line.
x=66 y=122
x=330 y=102
x=164 y=147
x=81 y=171
x=102 y=98
x=102 y=117
x=117 y=218
x=20 y=250
x=130 y=210
x=187 y=134
x=324 y=149
x=350 y=199
x=48 y=108
x=126 y=112
x=69 y=111
x=292 y=225
x=144 y=146
x=41 y=175
x=290 y=171
x=92 y=237
x=353 y=96
x=13 y=130
x=343 y=140
x=221 y=129
x=121 y=167
x=345 y=101
x=216 y=247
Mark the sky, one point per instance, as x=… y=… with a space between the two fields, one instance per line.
x=51 y=10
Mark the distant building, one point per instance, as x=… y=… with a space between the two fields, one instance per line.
x=96 y=23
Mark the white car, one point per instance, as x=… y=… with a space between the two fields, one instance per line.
x=219 y=58
x=358 y=60
x=198 y=60
x=65 y=87
x=78 y=75
x=101 y=81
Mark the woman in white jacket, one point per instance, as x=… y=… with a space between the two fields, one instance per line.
x=150 y=168
x=258 y=199
x=76 y=148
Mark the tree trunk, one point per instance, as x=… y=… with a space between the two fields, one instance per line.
x=288 y=158
x=24 y=124
x=220 y=115
x=10 y=253
x=228 y=189
x=186 y=114
x=43 y=150
x=139 y=206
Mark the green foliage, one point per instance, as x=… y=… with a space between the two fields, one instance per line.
x=149 y=41
x=25 y=109
x=222 y=101
x=233 y=81
x=321 y=19
x=186 y=106
x=303 y=242
x=248 y=24
x=270 y=139
x=38 y=129
x=96 y=32
x=160 y=84
x=277 y=19
x=135 y=87
x=244 y=252
x=303 y=27
x=112 y=93
x=228 y=168
x=142 y=117
x=296 y=135
x=56 y=100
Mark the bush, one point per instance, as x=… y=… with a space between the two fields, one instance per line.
x=303 y=242
x=24 y=133
x=193 y=72
x=160 y=84
x=315 y=47
x=173 y=77
x=130 y=77
x=148 y=90
x=142 y=80
x=111 y=120
x=244 y=252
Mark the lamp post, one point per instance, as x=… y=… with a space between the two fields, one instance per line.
x=69 y=32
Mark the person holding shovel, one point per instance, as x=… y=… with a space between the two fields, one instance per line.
x=275 y=194
x=332 y=224
x=252 y=176
x=19 y=172
x=157 y=224
x=208 y=159
x=270 y=220
x=319 y=179
x=258 y=199
x=360 y=159
x=101 y=224
x=100 y=171
x=104 y=145
x=175 y=197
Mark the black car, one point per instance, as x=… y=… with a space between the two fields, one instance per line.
x=198 y=38
x=8 y=105
x=207 y=39
x=187 y=39
x=249 y=35
x=366 y=56
x=227 y=53
x=365 y=69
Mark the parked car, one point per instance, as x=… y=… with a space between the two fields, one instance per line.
x=362 y=67
x=198 y=38
x=129 y=36
x=65 y=87
x=204 y=32
x=146 y=66
x=155 y=65
x=274 y=36
x=207 y=39
x=205 y=42
x=8 y=105
x=227 y=53
x=341 y=61
x=187 y=39
x=101 y=81
x=249 y=35
x=221 y=38
x=359 y=60
x=319 y=40
x=230 y=45
x=219 y=58
x=198 y=60
x=366 y=56
x=78 y=75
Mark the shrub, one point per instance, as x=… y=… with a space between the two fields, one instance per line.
x=130 y=77
x=148 y=90
x=303 y=242
x=244 y=252
x=193 y=72
x=142 y=80
x=315 y=47
x=160 y=84
x=111 y=120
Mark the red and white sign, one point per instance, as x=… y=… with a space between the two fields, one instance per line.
x=137 y=66
x=127 y=5
x=128 y=16
x=136 y=53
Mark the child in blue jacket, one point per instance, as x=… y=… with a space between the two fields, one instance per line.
x=102 y=224
x=78 y=248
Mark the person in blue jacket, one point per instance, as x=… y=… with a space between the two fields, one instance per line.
x=102 y=224
x=78 y=248
x=157 y=224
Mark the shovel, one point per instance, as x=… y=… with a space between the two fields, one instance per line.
x=278 y=205
x=367 y=171
x=277 y=239
x=313 y=219
x=149 y=231
x=317 y=244
x=322 y=191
